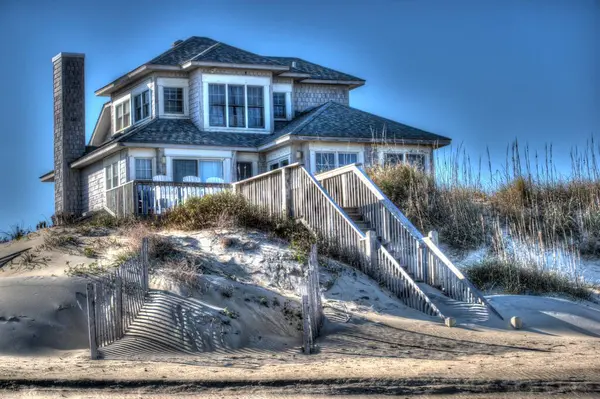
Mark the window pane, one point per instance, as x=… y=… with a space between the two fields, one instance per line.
x=285 y=162
x=211 y=171
x=183 y=168
x=244 y=170
x=137 y=107
x=108 y=174
x=417 y=161
x=236 y=100
x=255 y=106
x=115 y=174
x=325 y=161
x=141 y=106
x=274 y=166
x=143 y=169
x=392 y=158
x=173 y=99
x=279 y=106
x=216 y=101
x=126 y=114
x=347 y=158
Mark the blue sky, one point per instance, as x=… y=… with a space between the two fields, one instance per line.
x=480 y=72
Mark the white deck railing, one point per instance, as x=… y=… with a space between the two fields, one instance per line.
x=351 y=187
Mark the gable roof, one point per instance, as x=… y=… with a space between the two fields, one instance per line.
x=203 y=51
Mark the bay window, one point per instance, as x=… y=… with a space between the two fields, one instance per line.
x=173 y=100
x=122 y=115
x=279 y=106
x=141 y=106
x=244 y=104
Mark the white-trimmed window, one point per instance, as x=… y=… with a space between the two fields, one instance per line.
x=417 y=161
x=173 y=100
x=326 y=160
x=122 y=115
x=279 y=106
x=279 y=163
x=393 y=158
x=112 y=175
x=208 y=170
x=141 y=106
x=143 y=168
x=245 y=106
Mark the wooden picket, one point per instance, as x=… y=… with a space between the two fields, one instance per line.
x=115 y=299
x=312 y=308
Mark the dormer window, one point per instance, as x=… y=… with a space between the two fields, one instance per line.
x=173 y=100
x=279 y=106
x=245 y=106
x=141 y=105
x=122 y=115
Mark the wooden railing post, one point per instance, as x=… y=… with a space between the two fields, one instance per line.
x=144 y=257
x=285 y=188
x=119 y=305
x=91 y=304
x=371 y=250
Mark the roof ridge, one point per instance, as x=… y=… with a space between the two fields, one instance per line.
x=317 y=111
x=204 y=52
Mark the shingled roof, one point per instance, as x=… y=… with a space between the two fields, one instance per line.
x=314 y=70
x=334 y=120
x=206 y=51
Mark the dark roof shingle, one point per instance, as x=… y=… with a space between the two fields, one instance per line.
x=314 y=70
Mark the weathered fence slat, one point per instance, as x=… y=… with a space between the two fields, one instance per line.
x=115 y=299
x=312 y=308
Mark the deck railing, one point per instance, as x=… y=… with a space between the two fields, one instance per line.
x=351 y=187
x=292 y=191
x=142 y=197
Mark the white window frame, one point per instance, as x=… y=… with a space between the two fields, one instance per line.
x=121 y=103
x=336 y=157
x=135 y=169
x=176 y=83
x=112 y=167
x=426 y=154
x=141 y=94
x=241 y=80
x=286 y=88
x=279 y=162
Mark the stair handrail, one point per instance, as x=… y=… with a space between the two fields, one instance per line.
x=413 y=285
x=413 y=231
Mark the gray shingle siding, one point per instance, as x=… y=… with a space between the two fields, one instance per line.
x=307 y=96
x=92 y=187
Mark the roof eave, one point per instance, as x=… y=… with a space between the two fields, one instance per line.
x=188 y=146
x=136 y=73
x=437 y=143
x=95 y=155
x=196 y=64
x=352 y=83
x=104 y=108
x=48 y=177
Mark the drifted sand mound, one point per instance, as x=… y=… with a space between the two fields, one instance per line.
x=41 y=314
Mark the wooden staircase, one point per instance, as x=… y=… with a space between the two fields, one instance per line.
x=357 y=218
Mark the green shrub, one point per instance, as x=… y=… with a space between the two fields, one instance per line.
x=508 y=277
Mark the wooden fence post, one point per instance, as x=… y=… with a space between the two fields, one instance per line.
x=306 y=328
x=371 y=252
x=434 y=237
x=144 y=256
x=119 y=305
x=284 y=193
x=91 y=304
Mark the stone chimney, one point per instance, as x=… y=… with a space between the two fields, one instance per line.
x=69 y=133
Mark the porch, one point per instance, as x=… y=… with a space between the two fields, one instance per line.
x=142 y=197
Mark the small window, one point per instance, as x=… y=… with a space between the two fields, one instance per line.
x=279 y=106
x=324 y=161
x=143 y=169
x=237 y=106
x=211 y=171
x=347 y=158
x=256 y=117
x=112 y=175
x=217 y=104
x=173 y=100
x=122 y=115
x=244 y=170
x=183 y=168
x=279 y=163
x=417 y=161
x=393 y=158
x=141 y=105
